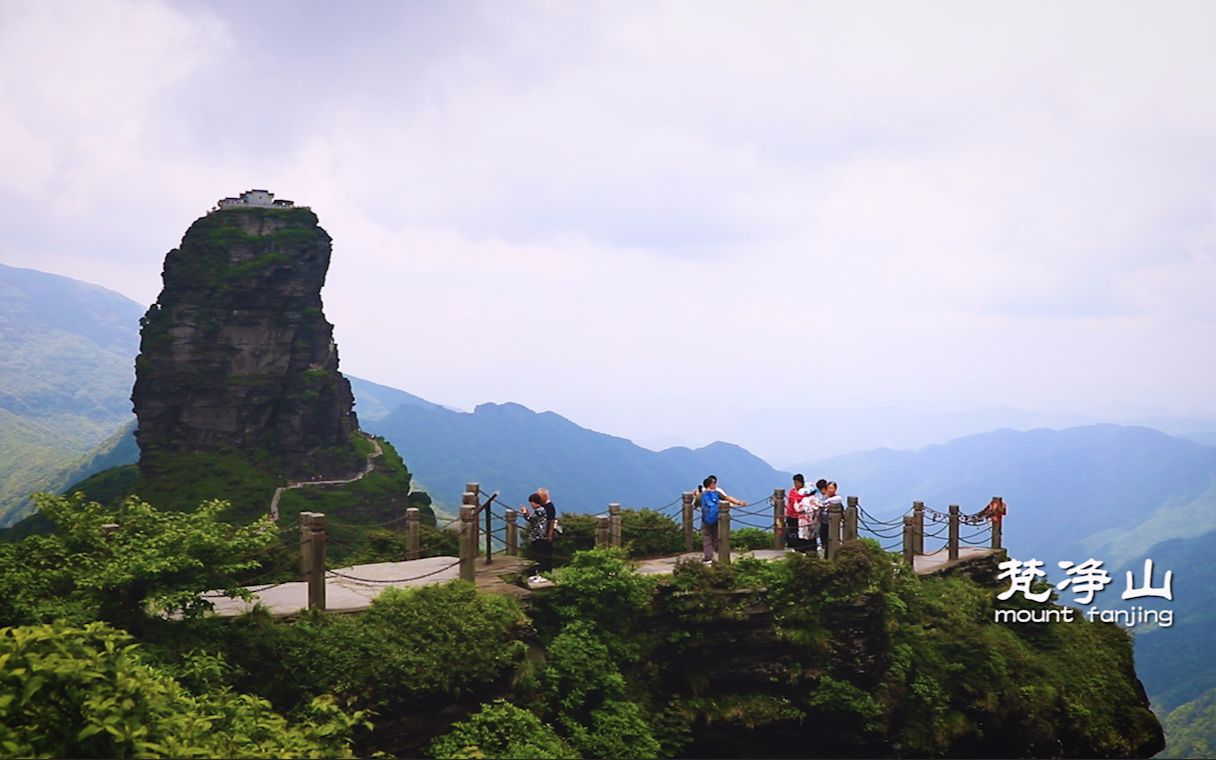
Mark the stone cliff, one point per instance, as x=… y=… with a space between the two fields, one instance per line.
x=236 y=355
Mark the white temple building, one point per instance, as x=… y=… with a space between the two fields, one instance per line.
x=255 y=198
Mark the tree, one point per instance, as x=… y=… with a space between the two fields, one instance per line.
x=153 y=562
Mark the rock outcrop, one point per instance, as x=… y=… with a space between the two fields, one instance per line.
x=236 y=355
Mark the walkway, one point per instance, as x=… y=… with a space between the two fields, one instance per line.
x=352 y=589
x=371 y=465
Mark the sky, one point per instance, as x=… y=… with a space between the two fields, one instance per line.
x=802 y=227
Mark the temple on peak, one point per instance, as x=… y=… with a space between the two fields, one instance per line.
x=255 y=198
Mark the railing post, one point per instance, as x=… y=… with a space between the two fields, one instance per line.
x=614 y=525
x=686 y=512
x=489 y=534
x=512 y=533
x=909 y=541
x=472 y=493
x=918 y=527
x=996 y=521
x=850 y=519
x=468 y=541
x=833 y=543
x=724 y=532
x=413 y=533
x=305 y=543
x=778 y=518
x=316 y=577
x=952 y=545
x=601 y=532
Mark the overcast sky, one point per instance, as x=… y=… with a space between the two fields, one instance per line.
x=768 y=223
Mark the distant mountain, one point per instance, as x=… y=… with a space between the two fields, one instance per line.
x=374 y=401
x=65 y=382
x=1101 y=490
x=69 y=350
x=514 y=449
x=1205 y=439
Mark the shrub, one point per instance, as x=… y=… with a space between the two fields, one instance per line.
x=647 y=533
x=85 y=692
x=398 y=655
x=155 y=561
x=600 y=587
x=500 y=729
x=750 y=539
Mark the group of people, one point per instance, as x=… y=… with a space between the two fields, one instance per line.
x=541 y=516
x=806 y=519
x=806 y=514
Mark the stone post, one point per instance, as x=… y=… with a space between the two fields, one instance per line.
x=918 y=526
x=778 y=518
x=833 y=544
x=471 y=494
x=952 y=545
x=512 y=533
x=909 y=540
x=724 y=532
x=614 y=525
x=996 y=523
x=686 y=513
x=602 y=532
x=413 y=533
x=316 y=576
x=305 y=543
x=468 y=541
x=850 y=519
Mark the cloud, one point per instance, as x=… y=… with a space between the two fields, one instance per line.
x=687 y=212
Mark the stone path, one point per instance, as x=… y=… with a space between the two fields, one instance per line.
x=352 y=589
x=927 y=564
x=278 y=492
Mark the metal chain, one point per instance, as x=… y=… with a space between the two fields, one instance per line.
x=396 y=580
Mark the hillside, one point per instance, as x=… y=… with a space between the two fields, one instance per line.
x=510 y=448
x=1070 y=492
x=65 y=382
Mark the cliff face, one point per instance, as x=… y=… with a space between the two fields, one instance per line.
x=236 y=355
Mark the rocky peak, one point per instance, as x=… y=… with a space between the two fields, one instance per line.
x=236 y=354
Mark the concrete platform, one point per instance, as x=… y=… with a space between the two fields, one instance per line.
x=343 y=594
x=926 y=564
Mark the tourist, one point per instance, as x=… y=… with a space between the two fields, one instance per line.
x=550 y=510
x=795 y=537
x=711 y=498
x=829 y=498
x=809 y=516
x=540 y=534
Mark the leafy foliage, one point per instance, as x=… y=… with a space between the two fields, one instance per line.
x=599 y=587
x=152 y=562
x=401 y=654
x=500 y=729
x=85 y=692
x=750 y=539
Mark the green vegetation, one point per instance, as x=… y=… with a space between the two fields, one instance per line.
x=69 y=691
x=797 y=656
x=500 y=729
x=151 y=561
x=1190 y=729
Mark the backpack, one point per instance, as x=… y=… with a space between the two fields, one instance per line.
x=709 y=507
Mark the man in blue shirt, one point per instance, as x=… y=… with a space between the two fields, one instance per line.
x=711 y=498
